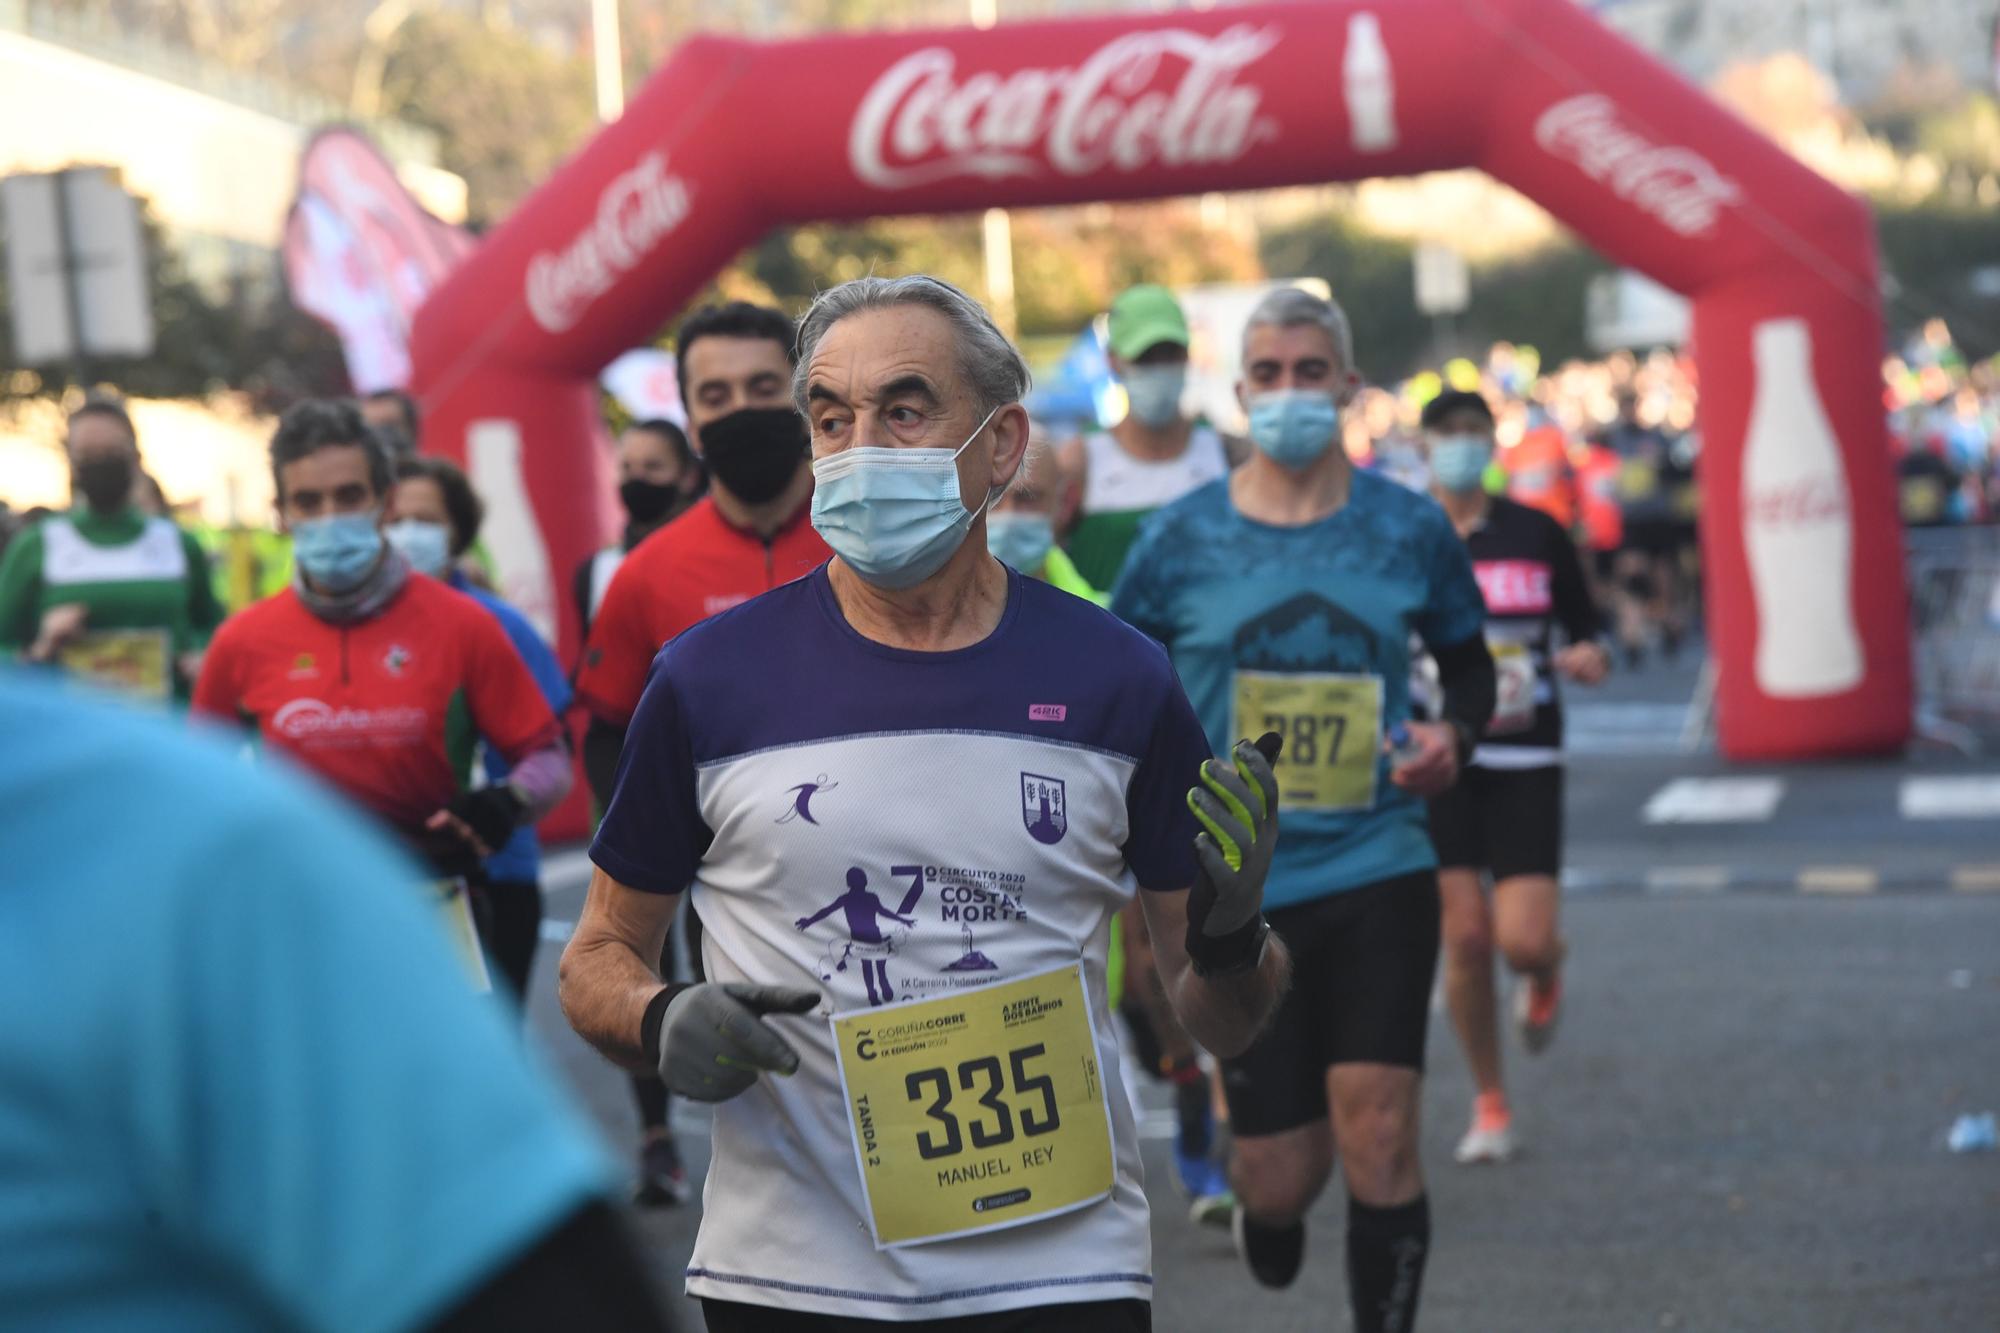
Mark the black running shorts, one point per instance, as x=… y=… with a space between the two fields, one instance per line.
x=1505 y=820
x=1362 y=964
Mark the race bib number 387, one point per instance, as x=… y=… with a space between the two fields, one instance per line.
x=978 y=1110
x=1332 y=726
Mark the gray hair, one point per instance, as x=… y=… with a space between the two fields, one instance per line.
x=1295 y=307
x=990 y=364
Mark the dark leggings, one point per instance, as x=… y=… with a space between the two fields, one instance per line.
x=647 y=1090
x=509 y=916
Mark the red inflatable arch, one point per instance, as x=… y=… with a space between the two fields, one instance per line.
x=1805 y=585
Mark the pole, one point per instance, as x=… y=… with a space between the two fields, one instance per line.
x=997 y=229
x=72 y=273
x=608 y=60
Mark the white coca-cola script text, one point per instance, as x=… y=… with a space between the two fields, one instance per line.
x=921 y=123
x=1678 y=186
x=634 y=214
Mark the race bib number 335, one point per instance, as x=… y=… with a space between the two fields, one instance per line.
x=978 y=1110
x=1332 y=726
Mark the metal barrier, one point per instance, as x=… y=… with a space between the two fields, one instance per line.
x=1955 y=602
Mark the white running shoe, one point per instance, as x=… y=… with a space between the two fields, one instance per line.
x=1486 y=1143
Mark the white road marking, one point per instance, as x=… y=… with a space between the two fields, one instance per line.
x=1839 y=879
x=1715 y=801
x=1973 y=797
x=1976 y=879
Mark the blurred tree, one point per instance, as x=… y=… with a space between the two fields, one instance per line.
x=509 y=112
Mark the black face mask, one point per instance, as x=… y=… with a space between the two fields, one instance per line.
x=106 y=483
x=650 y=501
x=755 y=453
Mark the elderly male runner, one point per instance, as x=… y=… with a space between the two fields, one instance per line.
x=1004 y=762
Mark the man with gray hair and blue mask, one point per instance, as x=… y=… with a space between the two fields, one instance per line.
x=908 y=793
x=1287 y=595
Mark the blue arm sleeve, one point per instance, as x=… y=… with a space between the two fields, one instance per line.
x=653 y=837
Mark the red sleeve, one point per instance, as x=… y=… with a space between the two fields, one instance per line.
x=218 y=691
x=619 y=652
x=507 y=706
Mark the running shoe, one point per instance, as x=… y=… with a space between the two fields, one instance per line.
x=1214 y=1210
x=662 y=1178
x=1536 y=1009
x=1199 y=1176
x=1274 y=1254
x=1487 y=1141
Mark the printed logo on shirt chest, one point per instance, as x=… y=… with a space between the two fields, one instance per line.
x=314 y=724
x=871 y=939
x=1044 y=808
x=1514 y=587
x=798 y=801
x=396 y=659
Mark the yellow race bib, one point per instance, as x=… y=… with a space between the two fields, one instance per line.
x=977 y=1110
x=1332 y=725
x=136 y=663
x=455 y=907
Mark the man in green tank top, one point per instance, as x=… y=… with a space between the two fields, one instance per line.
x=103 y=591
x=1155 y=454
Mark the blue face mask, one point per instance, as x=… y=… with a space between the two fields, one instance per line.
x=1458 y=462
x=1154 y=393
x=427 y=546
x=1020 y=540
x=893 y=515
x=1293 y=427
x=336 y=552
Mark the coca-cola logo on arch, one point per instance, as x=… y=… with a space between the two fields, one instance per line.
x=634 y=214
x=1164 y=97
x=1679 y=187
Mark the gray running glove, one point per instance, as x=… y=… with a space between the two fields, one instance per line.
x=714 y=1041
x=1238 y=809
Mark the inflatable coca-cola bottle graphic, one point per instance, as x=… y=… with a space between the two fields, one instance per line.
x=1798 y=530
x=1369 y=86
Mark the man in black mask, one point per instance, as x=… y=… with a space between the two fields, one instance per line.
x=103 y=591
x=658 y=478
x=751 y=533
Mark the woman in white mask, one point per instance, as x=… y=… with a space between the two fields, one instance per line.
x=991 y=768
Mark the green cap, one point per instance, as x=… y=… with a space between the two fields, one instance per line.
x=1144 y=317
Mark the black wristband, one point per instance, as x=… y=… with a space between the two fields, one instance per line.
x=1227 y=955
x=656 y=1015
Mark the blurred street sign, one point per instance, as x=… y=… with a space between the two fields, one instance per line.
x=1444 y=286
x=76 y=267
x=1627 y=309
x=644 y=383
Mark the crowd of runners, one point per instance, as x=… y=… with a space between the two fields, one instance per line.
x=1196 y=781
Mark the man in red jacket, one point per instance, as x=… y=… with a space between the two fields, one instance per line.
x=751 y=533
x=376 y=678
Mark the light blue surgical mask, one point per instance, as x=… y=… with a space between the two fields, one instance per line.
x=427 y=546
x=893 y=515
x=336 y=552
x=1020 y=540
x=1293 y=426
x=1458 y=462
x=1154 y=393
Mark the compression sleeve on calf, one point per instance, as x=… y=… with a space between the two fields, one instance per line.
x=541 y=780
x=1465 y=671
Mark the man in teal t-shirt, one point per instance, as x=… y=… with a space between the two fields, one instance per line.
x=244 y=1083
x=104 y=591
x=1287 y=595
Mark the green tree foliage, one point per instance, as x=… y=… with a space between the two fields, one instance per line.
x=505 y=109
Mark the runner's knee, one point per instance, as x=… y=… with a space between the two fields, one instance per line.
x=1277 y=1183
x=1468 y=937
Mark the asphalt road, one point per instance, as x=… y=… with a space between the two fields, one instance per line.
x=1741 y=1124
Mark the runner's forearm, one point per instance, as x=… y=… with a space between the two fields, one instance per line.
x=1225 y=1013
x=606 y=977
x=1465 y=674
